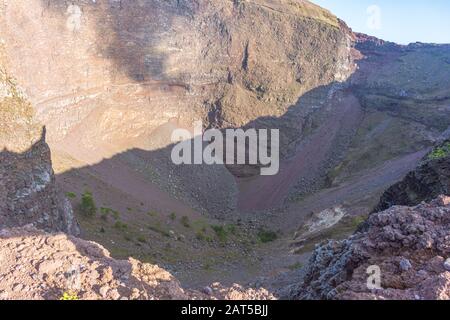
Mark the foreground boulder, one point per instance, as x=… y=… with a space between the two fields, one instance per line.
x=409 y=246
x=428 y=181
x=37 y=265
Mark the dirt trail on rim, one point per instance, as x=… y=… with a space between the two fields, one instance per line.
x=267 y=192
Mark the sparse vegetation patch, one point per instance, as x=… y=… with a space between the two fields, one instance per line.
x=120 y=225
x=185 y=222
x=221 y=233
x=266 y=236
x=440 y=152
x=87 y=206
x=71 y=195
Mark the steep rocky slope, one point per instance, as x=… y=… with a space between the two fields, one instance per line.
x=36 y=265
x=409 y=246
x=406 y=239
x=28 y=192
x=158 y=53
x=112 y=76
x=404 y=103
x=429 y=180
x=393 y=106
x=401 y=90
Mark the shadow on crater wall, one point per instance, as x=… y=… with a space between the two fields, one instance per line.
x=133 y=41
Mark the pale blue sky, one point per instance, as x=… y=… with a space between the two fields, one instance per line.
x=401 y=21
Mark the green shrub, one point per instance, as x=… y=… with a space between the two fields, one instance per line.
x=71 y=195
x=266 y=236
x=185 y=222
x=358 y=220
x=295 y=266
x=231 y=228
x=120 y=225
x=104 y=213
x=440 y=152
x=173 y=216
x=207 y=266
x=221 y=233
x=159 y=229
x=116 y=215
x=141 y=239
x=152 y=213
x=87 y=205
x=200 y=236
x=105 y=210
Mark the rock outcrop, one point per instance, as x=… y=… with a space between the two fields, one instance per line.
x=408 y=246
x=406 y=239
x=37 y=265
x=429 y=180
x=28 y=192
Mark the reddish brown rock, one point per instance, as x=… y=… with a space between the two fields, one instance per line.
x=28 y=192
x=73 y=267
x=408 y=245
